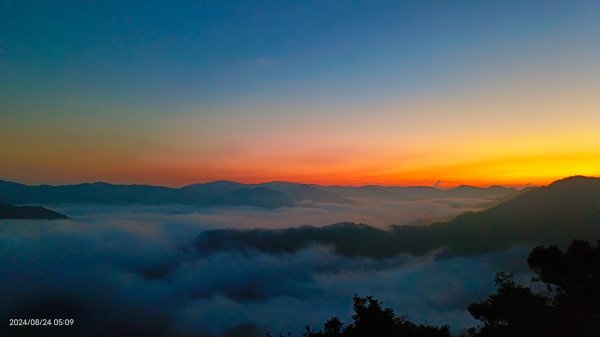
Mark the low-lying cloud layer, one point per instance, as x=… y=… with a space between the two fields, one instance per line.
x=375 y=212
x=121 y=270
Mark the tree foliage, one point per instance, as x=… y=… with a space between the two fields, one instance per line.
x=568 y=304
x=370 y=318
x=569 y=307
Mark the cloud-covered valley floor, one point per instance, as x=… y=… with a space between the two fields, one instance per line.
x=123 y=269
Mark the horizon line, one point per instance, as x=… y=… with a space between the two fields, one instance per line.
x=177 y=186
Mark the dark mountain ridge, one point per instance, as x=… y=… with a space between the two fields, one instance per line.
x=28 y=212
x=220 y=193
x=556 y=214
x=229 y=193
x=565 y=210
x=294 y=191
x=420 y=192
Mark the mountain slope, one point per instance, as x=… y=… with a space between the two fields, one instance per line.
x=257 y=197
x=565 y=210
x=294 y=191
x=28 y=212
x=93 y=193
x=419 y=192
x=211 y=194
x=304 y=192
x=270 y=195
x=214 y=188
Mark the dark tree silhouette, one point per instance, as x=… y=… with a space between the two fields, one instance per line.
x=575 y=277
x=371 y=319
x=333 y=327
x=513 y=311
x=570 y=307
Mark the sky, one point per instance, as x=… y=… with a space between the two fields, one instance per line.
x=328 y=92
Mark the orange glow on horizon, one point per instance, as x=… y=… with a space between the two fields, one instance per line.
x=511 y=173
x=497 y=136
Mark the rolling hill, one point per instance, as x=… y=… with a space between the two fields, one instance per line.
x=228 y=193
x=219 y=193
x=556 y=214
x=28 y=212
x=420 y=192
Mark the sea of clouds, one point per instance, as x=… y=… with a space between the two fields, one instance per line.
x=125 y=270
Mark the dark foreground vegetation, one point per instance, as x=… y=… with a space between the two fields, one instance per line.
x=563 y=300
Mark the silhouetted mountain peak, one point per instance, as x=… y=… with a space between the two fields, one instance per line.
x=465 y=187
x=100 y=184
x=348 y=225
x=281 y=183
x=9 y=183
x=575 y=181
x=224 y=183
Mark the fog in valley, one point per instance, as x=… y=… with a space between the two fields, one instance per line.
x=133 y=266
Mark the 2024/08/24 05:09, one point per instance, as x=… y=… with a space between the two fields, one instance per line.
x=41 y=322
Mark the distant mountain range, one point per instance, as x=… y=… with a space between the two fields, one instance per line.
x=28 y=212
x=419 y=192
x=556 y=214
x=222 y=193
x=565 y=210
x=226 y=193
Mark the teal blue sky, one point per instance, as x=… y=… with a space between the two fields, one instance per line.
x=210 y=52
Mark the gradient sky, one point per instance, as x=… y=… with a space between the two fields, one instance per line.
x=331 y=92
